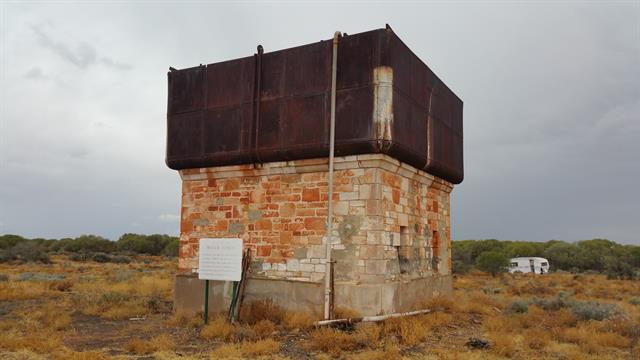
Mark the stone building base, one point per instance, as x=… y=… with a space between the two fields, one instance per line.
x=365 y=299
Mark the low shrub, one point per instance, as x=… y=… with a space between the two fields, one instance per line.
x=26 y=251
x=78 y=257
x=490 y=291
x=582 y=310
x=120 y=259
x=595 y=311
x=29 y=276
x=101 y=257
x=519 y=306
x=557 y=303
x=4 y=277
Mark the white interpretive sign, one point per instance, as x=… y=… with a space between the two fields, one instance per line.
x=220 y=259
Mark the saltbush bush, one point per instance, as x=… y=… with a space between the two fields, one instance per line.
x=595 y=311
x=519 y=306
x=101 y=258
x=582 y=310
x=120 y=259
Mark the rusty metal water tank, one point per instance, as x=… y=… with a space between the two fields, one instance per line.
x=275 y=106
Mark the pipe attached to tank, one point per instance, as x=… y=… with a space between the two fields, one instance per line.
x=328 y=288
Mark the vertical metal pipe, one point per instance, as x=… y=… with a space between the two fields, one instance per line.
x=256 y=103
x=332 y=138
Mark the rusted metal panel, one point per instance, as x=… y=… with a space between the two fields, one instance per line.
x=230 y=83
x=275 y=106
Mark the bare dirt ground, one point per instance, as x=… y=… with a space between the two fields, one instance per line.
x=88 y=310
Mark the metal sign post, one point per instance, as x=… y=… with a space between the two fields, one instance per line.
x=219 y=259
x=206 y=302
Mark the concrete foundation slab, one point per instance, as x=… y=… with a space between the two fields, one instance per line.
x=365 y=299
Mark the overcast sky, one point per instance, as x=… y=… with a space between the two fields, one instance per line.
x=551 y=107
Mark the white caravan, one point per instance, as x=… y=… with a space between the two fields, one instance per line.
x=536 y=265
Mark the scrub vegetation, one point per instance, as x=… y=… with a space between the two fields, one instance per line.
x=86 y=309
x=593 y=256
x=17 y=249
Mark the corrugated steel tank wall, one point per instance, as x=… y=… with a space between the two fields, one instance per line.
x=275 y=106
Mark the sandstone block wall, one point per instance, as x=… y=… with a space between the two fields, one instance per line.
x=392 y=220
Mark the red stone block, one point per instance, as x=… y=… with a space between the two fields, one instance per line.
x=263 y=225
x=263 y=251
x=305 y=212
x=288 y=209
x=312 y=194
x=231 y=184
x=314 y=223
x=186 y=226
x=396 y=196
x=286 y=237
x=296 y=226
x=221 y=225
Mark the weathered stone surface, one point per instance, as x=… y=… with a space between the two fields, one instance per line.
x=236 y=228
x=255 y=215
x=280 y=211
x=349 y=226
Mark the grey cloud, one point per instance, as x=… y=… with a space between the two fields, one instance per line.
x=79 y=153
x=115 y=64
x=35 y=73
x=168 y=218
x=82 y=55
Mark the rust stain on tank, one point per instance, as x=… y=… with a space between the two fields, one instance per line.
x=383 y=102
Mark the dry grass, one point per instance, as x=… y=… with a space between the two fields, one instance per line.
x=260 y=348
x=42 y=342
x=262 y=310
x=82 y=355
x=162 y=342
x=390 y=352
x=226 y=351
x=218 y=329
x=22 y=290
x=86 y=316
x=503 y=344
x=332 y=341
x=298 y=320
x=536 y=339
x=264 y=328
